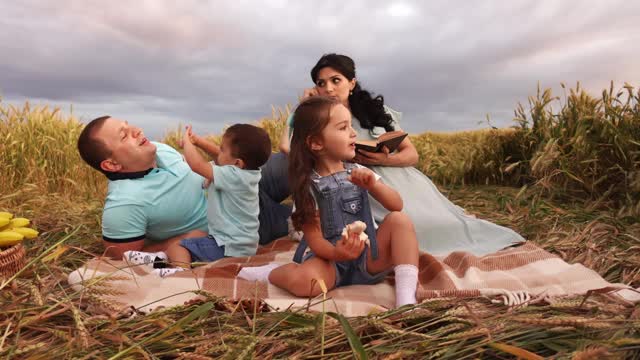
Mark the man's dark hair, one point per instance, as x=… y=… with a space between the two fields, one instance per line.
x=249 y=143
x=92 y=149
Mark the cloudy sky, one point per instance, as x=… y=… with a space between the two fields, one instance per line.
x=444 y=64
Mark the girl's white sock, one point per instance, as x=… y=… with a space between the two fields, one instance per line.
x=257 y=273
x=406 y=284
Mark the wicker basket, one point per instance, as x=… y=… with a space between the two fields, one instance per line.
x=11 y=260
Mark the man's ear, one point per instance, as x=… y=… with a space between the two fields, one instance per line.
x=240 y=163
x=110 y=165
x=314 y=143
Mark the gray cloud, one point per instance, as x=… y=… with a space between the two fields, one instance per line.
x=445 y=65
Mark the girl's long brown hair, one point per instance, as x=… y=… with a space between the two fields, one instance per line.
x=309 y=119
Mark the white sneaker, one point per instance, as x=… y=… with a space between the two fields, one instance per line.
x=167 y=271
x=145 y=258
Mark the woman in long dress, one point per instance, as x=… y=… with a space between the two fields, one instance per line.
x=441 y=226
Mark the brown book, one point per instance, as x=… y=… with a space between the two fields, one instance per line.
x=391 y=140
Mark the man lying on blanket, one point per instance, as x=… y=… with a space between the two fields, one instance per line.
x=153 y=197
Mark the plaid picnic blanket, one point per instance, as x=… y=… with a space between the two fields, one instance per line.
x=459 y=274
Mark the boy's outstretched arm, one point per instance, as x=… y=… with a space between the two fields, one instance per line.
x=383 y=193
x=196 y=162
x=207 y=146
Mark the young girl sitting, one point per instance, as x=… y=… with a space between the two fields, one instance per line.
x=330 y=193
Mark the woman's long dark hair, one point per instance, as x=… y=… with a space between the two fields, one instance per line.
x=309 y=119
x=367 y=109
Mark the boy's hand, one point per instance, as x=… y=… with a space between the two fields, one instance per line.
x=188 y=136
x=185 y=137
x=349 y=247
x=363 y=177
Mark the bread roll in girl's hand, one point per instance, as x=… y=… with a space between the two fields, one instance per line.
x=356 y=227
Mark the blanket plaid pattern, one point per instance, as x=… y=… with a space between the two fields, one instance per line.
x=526 y=267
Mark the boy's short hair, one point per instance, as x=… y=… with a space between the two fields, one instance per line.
x=249 y=143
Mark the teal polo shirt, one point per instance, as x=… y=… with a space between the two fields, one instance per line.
x=167 y=201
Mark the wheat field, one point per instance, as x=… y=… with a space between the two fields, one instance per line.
x=566 y=176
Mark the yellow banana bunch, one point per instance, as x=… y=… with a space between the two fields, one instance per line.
x=19 y=222
x=10 y=238
x=14 y=230
x=28 y=233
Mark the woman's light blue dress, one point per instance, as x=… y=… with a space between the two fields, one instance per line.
x=441 y=226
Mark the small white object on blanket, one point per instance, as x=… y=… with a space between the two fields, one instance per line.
x=293 y=233
x=357 y=227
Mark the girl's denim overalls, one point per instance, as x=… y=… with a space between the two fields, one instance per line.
x=340 y=203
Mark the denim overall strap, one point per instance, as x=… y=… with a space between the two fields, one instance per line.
x=340 y=203
x=302 y=246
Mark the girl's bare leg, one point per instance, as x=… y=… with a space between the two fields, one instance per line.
x=298 y=278
x=397 y=247
x=397 y=243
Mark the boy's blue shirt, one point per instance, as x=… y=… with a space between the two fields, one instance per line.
x=233 y=208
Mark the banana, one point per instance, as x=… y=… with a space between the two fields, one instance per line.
x=6 y=226
x=13 y=230
x=10 y=238
x=28 y=233
x=19 y=222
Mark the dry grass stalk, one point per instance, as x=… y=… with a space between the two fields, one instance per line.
x=83 y=334
x=192 y=356
x=593 y=353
